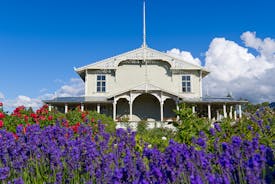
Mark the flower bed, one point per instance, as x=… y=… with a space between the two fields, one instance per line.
x=78 y=149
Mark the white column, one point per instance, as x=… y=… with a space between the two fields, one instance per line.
x=86 y=83
x=235 y=115
x=161 y=111
x=240 y=111
x=114 y=110
x=209 y=112
x=131 y=111
x=131 y=106
x=230 y=113
x=224 y=111
x=50 y=108
x=218 y=115
x=193 y=109
x=98 y=108
x=82 y=107
x=66 y=108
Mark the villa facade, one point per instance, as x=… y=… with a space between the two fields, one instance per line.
x=145 y=84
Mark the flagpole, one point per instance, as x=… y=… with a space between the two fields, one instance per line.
x=144 y=24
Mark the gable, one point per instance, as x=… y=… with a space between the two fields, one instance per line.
x=143 y=53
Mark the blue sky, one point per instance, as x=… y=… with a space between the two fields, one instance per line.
x=41 y=41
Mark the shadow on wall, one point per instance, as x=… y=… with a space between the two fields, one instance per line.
x=146 y=107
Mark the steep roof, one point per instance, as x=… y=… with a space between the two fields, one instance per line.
x=142 y=53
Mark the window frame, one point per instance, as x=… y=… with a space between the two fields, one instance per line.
x=186 y=84
x=101 y=83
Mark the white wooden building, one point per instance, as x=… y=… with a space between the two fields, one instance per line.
x=144 y=84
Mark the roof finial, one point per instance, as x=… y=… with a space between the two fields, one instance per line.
x=144 y=25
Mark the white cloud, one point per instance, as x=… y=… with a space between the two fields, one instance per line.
x=2 y=96
x=265 y=47
x=59 y=81
x=228 y=61
x=23 y=100
x=75 y=87
x=184 y=55
x=43 y=90
x=234 y=69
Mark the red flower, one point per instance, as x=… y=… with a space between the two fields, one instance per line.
x=15 y=136
x=65 y=124
x=66 y=135
x=33 y=115
x=26 y=118
x=1 y=123
x=83 y=115
x=93 y=120
x=42 y=118
x=1 y=104
x=74 y=128
x=50 y=118
x=2 y=115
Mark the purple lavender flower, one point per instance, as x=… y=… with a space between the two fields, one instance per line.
x=59 y=148
x=260 y=123
x=212 y=131
x=258 y=114
x=59 y=177
x=4 y=173
x=267 y=128
x=217 y=127
x=201 y=142
x=18 y=181
x=249 y=127
x=236 y=141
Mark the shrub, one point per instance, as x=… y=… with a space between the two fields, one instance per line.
x=189 y=125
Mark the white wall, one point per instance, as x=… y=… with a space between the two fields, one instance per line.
x=131 y=75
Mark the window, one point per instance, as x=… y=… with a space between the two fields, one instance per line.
x=101 y=83
x=186 y=83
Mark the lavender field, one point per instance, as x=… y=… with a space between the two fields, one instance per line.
x=49 y=148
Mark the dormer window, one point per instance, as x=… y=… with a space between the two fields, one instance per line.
x=186 y=83
x=101 y=83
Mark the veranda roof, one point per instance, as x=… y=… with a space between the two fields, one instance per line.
x=63 y=100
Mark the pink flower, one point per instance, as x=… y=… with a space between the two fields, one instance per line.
x=1 y=104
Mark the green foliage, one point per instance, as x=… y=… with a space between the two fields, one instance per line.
x=110 y=125
x=91 y=118
x=252 y=108
x=260 y=124
x=142 y=126
x=189 y=125
x=155 y=137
